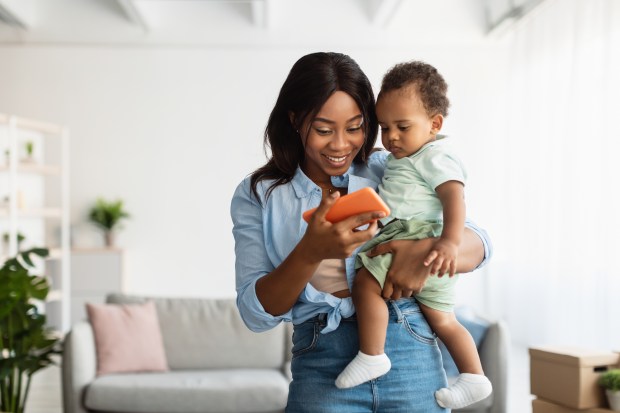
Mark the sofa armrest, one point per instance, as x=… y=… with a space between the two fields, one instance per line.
x=494 y=353
x=79 y=366
x=288 y=351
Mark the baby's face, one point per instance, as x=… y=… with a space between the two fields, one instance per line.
x=405 y=125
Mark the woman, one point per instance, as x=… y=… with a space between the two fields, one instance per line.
x=321 y=133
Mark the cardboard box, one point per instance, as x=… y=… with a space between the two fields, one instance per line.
x=569 y=375
x=543 y=406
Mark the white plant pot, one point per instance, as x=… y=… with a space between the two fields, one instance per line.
x=613 y=397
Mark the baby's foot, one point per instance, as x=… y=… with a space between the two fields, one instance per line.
x=468 y=389
x=363 y=368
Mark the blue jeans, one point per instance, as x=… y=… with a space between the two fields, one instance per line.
x=409 y=387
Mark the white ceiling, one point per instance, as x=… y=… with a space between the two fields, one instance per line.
x=254 y=22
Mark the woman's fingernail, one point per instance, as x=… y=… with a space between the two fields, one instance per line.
x=379 y=214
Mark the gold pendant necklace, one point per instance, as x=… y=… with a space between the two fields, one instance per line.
x=330 y=190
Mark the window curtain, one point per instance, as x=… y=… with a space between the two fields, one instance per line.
x=555 y=277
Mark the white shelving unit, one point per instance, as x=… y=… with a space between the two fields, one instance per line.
x=34 y=202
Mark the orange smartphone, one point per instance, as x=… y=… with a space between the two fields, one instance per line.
x=358 y=202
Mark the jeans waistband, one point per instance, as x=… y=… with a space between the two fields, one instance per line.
x=393 y=307
x=322 y=317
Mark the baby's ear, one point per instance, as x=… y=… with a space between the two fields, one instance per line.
x=437 y=123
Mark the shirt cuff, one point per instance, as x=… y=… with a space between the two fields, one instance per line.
x=254 y=315
x=486 y=242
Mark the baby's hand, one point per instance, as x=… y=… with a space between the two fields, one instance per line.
x=443 y=257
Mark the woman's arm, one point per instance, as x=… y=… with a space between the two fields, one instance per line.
x=408 y=272
x=278 y=291
x=471 y=252
x=266 y=294
x=251 y=258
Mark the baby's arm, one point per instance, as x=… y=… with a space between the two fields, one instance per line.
x=445 y=250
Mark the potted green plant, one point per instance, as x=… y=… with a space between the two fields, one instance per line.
x=26 y=345
x=29 y=146
x=610 y=380
x=107 y=216
x=20 y=238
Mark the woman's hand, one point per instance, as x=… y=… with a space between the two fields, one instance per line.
x=411 y=265
x=408 y=272
x=279 y=290
x=324 y=239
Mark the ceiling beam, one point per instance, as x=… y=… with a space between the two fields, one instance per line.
x=382 y=11
x=17 y=13
x=262 y=13
x=134 y=14
x=510 y=16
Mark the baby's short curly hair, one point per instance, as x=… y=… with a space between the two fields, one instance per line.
x=429 y=84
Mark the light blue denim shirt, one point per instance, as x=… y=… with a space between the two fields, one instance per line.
x=265 y=234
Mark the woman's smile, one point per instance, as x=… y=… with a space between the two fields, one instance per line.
x=337 y=161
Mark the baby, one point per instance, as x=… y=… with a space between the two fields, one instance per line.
x=423 y=186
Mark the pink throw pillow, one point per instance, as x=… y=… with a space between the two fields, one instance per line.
x=127 y=338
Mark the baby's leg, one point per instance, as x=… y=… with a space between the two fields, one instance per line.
x=372 y=320
x=457 y=339
x=471 y=385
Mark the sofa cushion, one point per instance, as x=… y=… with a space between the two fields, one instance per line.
x=127 y=338
x=222 y=391
x=209 y=334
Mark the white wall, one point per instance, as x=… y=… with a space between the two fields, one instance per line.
x=172 y=132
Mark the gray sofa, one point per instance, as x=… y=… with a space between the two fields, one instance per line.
x=218 y=365
x=494 y=348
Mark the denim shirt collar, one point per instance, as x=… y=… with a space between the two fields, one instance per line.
x=304 y=186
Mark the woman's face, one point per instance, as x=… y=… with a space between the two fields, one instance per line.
x=332 y=138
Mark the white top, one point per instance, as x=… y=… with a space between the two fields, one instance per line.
x=330 y=276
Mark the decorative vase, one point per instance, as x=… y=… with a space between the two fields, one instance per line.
x=613 y=397
x=109 y=239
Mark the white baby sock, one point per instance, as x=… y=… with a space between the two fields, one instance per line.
x=468 y=389
x=363 y=368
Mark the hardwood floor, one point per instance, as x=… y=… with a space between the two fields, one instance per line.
x=45 y=392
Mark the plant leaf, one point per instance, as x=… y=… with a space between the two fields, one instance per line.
x=41 y=252
x=27 y=346
x=26 y=257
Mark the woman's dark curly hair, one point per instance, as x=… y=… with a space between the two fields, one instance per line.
x=430 y=85
x=311 y=81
